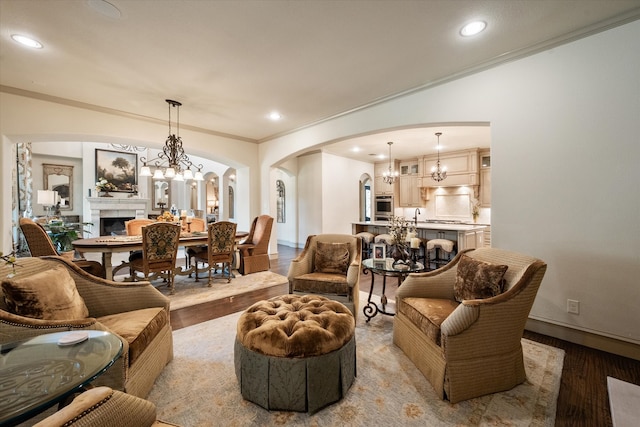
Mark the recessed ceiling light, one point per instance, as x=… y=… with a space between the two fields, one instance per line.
x=27 y=41
x=274 y=115
x=473 y=28
x=355 y=149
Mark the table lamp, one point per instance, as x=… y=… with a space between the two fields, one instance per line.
x=48 y=199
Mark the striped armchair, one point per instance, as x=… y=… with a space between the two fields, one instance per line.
x=470 y=348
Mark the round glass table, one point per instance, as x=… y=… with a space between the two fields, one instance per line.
x=40 y=372
x=386 y=268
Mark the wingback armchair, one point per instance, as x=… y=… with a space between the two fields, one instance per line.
x=254 y=249
x=465 y=341
x=41 y=245
x=329 y=265
x=52 y=294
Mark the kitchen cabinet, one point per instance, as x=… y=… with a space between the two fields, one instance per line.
x=485 y=179
x=409 y=184
x=487 y=237
x=409 y=167
x=409 y=192
x=381 y=188
x=461 y=167
x=471 y=239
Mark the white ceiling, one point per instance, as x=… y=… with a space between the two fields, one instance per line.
x=232 y=62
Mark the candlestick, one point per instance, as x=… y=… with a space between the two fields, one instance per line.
x=415 y=243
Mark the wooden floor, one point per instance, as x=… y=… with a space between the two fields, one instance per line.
x=583 y=399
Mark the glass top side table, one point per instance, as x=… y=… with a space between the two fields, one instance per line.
x=38 y=373
x=385 y=268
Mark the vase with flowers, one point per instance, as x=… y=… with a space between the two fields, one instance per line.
x=398 y=229
x=475 y=210
x=104 y=187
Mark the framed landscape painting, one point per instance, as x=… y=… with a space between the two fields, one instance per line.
x=120 y=169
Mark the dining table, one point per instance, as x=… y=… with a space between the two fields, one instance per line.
x=108 y=245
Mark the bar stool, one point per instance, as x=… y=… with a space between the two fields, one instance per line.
x=442 y=248
x=367 y=241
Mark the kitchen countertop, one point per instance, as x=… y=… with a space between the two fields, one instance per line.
x=431 y=225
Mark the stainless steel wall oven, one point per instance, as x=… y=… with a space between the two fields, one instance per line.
x=384 y=208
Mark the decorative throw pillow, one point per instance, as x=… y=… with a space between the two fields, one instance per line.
x=48 y=295
x=332 y=258
x=478 y=279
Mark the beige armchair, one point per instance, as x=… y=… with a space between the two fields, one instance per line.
x=134 y=311
x=254 y=250
x=470 y=348
x=328 y=272
x=104 y=407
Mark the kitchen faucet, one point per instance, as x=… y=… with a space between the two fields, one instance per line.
x=415 y=217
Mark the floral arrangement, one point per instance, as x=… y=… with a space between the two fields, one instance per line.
x=398 y=228
x=104 y=185
x=475 y=209
x=165 y=217
x=10 y=259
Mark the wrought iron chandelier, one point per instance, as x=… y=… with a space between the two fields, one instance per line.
x=438 y=173
x=172 y=162
x=390 y=176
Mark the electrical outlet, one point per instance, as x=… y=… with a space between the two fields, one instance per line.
x=573 y=306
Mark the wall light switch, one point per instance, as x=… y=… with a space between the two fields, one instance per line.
x=573 y=306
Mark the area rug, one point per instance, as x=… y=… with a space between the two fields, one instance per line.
x=199 y=387
x=188 y=292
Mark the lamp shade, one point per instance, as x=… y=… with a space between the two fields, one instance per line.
x=47 y=197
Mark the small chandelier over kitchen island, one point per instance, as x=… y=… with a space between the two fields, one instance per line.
x=390 y=176
x=172 y=162
x=438 y=173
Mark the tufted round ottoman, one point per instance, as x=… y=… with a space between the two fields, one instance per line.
x=295 y=353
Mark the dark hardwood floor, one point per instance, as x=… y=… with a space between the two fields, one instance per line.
x=583 y=399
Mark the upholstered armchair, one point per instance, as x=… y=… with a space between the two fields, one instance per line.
x=462 y=324
x=52 y=294
x=105 y=407
x=329 y=265
x=254 y=249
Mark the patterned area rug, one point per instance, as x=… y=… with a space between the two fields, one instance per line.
x=199 y=387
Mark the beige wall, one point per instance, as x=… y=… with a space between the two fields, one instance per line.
x=565 y=152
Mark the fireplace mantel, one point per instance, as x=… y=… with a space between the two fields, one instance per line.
x=114 y=207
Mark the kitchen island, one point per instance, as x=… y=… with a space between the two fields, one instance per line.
x=467 y=236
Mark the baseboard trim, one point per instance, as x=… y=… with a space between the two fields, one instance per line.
x=599 y=342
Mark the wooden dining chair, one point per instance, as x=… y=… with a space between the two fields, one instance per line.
x=134 y=226
x=159 y=251
x=198 y=225
x=219 y=250
x=41 y=245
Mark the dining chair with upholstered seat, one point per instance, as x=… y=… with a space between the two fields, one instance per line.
x=41 y=245
x=159 y=251
x=133 y=227
x=197 y=225
x=254 y=250
x=219 y=250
